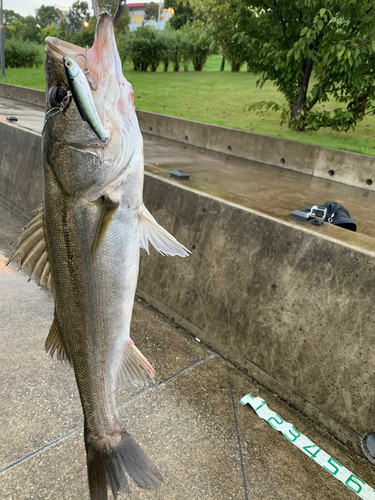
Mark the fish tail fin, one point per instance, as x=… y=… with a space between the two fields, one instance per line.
x=107 y=464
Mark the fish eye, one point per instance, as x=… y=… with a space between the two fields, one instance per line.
x=57 y=94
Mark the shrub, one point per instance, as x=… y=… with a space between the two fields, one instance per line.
x=175 y=45
x=199 y=48
x=165 y=56
x=22 y=54
x=145 y=48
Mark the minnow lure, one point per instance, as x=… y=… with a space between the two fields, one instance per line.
x=83 y=98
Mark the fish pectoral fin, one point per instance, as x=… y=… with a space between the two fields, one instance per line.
x=160 y=239
x=32 y=248
x=134 y=367
x=54 y=343
x=108 y=211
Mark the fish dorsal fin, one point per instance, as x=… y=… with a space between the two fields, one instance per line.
x=160 y=239
x=32 y=248
x=54 y=343
x=134 y=367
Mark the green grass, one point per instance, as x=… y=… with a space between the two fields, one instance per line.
x=219 y=98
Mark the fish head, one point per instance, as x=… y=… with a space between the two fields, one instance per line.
x=84 y=161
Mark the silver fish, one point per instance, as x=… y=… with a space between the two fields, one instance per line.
x=85 y=243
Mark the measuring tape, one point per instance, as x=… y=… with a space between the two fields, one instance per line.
x=351 y=481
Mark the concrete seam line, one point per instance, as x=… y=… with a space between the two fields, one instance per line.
x=213 y=355
x=351 y=481
x=237 y=433
x=13 y=212
x=318 y=148
x=35 y=452
x=61 y=438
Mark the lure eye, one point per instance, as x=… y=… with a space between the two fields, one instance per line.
x=56 y=95
x=68 y=64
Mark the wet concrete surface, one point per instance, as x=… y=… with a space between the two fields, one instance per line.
x=271 y=190
x=29 y=116
x=189 y=421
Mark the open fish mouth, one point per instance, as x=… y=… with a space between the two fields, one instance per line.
x=57 y=49
x=101 y=59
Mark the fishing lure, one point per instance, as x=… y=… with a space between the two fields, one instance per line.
x=83 y=98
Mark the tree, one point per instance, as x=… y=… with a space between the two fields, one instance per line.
x=85 y=38
x=224 y=21
x=151 y=11
x=287 y=41
x=10 y=16
x=123 y=22
x=45 y=15
x=183 y=13
x=30 y=31
x=76 y=15
x=51 y=30
x=16 y=28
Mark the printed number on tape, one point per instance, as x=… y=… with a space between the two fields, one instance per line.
x=310 y=449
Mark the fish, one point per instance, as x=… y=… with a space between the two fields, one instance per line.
x=84 y=243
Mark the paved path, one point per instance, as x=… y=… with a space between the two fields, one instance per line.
x=190 y=421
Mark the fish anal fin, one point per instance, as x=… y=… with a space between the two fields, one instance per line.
x=54 y=343
x=108 y=211
x=134 y=368
x=160 y=239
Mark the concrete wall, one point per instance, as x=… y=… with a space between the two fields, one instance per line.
x=291 y=307
x=341 y=166
x=21 y=182
x=24 y=94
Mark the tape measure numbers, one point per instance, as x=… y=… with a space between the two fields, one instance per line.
x=351 y=481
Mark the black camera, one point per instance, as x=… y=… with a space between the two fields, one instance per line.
x=315 y=215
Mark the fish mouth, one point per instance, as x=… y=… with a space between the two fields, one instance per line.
x=57 y=49
x=87 y=59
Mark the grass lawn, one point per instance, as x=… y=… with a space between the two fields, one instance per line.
x=219 y=98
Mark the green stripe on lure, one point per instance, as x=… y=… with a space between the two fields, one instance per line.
x=83 y=98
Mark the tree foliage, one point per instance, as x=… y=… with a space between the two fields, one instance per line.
x=310 y=49
x=183 y=13
x=68 y=25
x=151 y=11
x=76 y=15
x=51 y=30
x=45 y=15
